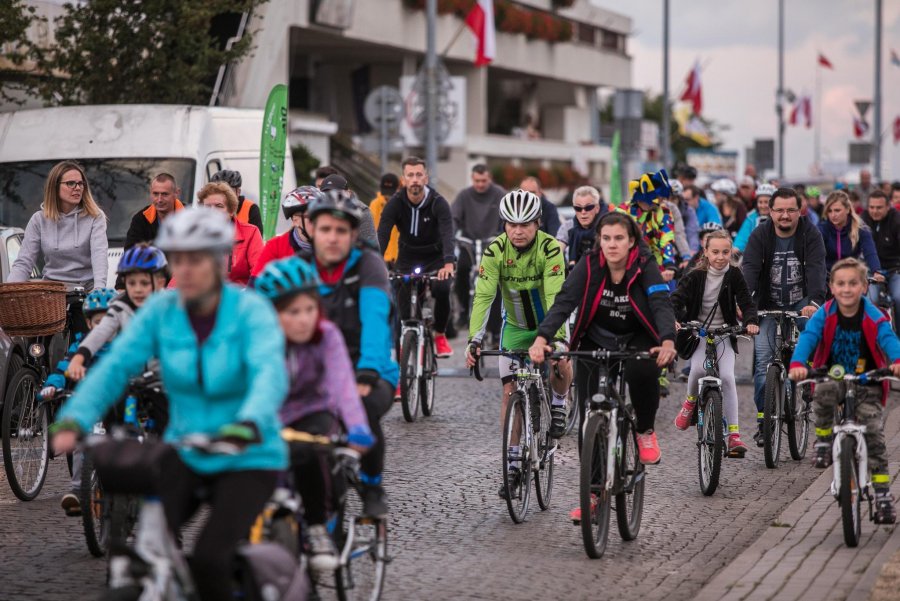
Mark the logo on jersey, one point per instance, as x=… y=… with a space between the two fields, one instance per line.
x=481 y=270
x=550 y=248
x=555 y=269
x=510 y=262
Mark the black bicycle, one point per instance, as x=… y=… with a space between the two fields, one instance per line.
x=610 y=463
x=885 y=302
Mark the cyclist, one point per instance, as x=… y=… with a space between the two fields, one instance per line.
x=549 y=212
x=705 y=230
x=322 y=398
x=336 y=181
x=731 y=207
x=706 y=211
x=357 y=297
x=884 y=222
x=764 y=194
x=247 y=211
x=387 y=187
x=95 y=305
x=248 y=242
x=845 y=235
x=713 y=293
x=215 y=345
x=851 y=332
x=425 y=223
x=689 y=218
x=576 y=236
x=528 y=267
x=295 y=240
x=784 y=266
x=144 y=269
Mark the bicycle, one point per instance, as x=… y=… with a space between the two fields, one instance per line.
x=610 y=464
x=851 y=480
x=361 y=541
x=782 y=409
x=711 y=424
x=26 y=418
x=885 y=302
x=526 y=424
x=418 y=359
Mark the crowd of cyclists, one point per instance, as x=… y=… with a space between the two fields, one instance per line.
x=202 y=300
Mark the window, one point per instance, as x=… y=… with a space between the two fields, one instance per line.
x=586 y=34
x=611 y=40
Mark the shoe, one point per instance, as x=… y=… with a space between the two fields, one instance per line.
x=648 y=448
x=516 y=475
x=822 y=458
x=442 y=346
x=374 y=504
x=884 y=508
x=71 y=505
x=736 y=447
x=683 y=420
x=758 y=436
x=397 y=393
x=558 y=418
x=575 y=514
x=323 y=555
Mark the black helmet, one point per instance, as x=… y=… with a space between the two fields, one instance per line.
x=340 y=203
x=232 y=178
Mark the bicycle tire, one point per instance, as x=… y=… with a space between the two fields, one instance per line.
x=409 y=386
x=773 y=401
x=798 y=428
x=543 y=472
x=518 y=495
x=429 y=377
x=572 y=416
x=594 y=524
x=631 y=474
x=362 y=579
x=26 y=468
x=851 y=492
x=95 y=510
x=710 y=441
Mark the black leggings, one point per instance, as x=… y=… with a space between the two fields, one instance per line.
x=641 y=376
x=235 y=499
x=440 y=292
x=312 y=467
x=377 y=403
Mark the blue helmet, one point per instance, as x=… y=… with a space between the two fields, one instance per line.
x=97 y=301
x=142 y=258
x=286 y=277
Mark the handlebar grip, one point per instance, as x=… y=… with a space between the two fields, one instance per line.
x=476 y=370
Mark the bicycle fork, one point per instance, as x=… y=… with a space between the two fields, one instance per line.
x=419 y=329
x=856 y=431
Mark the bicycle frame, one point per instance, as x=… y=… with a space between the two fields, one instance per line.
x=421 y=317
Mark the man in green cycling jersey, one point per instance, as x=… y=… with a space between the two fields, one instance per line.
x=528 y=267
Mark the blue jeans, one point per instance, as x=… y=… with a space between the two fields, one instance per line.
x=764 y=347
x=893 y=285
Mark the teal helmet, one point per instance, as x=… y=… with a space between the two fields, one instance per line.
x=97 y=301
x=286 y=277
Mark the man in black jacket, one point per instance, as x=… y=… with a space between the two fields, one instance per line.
x=884 y=221
x=163 y=202
x=549 y=212
x=784 y=265
x=425 y=224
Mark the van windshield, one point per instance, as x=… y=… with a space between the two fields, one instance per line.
x=120 y=186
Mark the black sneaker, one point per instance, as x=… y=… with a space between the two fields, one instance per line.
x=71 y=505
x=374 y=505
x=558 y=418
x=884 y=508
x=822 y=457
x=515 y=474
x=758 y=436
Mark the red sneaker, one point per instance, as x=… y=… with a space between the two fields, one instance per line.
x=397 y=393
x=736 y=447
x=648 y=448
x=683 y=420
x=442 y=346
x=575 y=514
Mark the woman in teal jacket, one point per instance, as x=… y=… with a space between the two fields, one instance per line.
x=215 y=344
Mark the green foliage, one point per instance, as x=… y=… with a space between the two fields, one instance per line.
x=15 y=49
x=653 y=111
x=304 y=163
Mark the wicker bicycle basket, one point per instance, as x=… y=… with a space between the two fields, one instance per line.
x=33 y=308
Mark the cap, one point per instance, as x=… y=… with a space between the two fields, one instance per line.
x=334 y=182
x=389 y=183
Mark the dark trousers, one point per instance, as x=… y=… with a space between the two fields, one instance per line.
x=311 y=467
x=377 y=403
x=440 y=292
x=235 y=499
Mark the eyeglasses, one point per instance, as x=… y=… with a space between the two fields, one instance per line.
x=585 y=208
x=784 y=211
x=72 y=184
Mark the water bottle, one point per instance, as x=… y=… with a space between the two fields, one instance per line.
x=131 y=410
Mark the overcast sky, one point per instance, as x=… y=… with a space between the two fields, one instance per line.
x=737 y=41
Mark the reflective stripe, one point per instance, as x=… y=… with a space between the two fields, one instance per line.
x=733 y=428
x=881 y=478
x=658 y=288
x=823 y=432
x=760 y=415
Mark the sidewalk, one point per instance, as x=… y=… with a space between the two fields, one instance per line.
x=802 y=554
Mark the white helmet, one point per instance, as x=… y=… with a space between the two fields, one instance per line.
x=676 y=186
x=520 y=206
x=765 y=190
x=724 y=186
x=196 y=228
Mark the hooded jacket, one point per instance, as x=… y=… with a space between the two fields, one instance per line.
x=73 y=248
x=838 y=246
x=886 y=234
x=426 y=229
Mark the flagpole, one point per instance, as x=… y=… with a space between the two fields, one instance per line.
x=453 y=40
x=665 y=142
x=431 y=121
x=818 y=125
x=877 y=99
x=779 y=104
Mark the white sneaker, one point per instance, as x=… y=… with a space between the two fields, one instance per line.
x=323 y=555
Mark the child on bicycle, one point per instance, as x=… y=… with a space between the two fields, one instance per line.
x=712 y=293
x=322 y=397
x=143 y=268
x=849 y=330
x=95 y=306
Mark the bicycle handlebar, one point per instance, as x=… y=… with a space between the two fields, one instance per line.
x=700 y=329
x=779 y=313
x=410 y=277
x=472 y=241
x=513 y=353
x=604 y=355
x=823 y=374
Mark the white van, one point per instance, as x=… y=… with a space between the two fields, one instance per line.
x=121 y=148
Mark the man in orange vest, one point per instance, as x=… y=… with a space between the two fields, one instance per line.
x=164 y=201
x=247 y=211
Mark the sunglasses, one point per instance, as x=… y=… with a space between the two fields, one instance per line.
x=585 y=208
x=72 y=184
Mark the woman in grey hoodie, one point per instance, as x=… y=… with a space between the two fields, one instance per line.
x=69 y=233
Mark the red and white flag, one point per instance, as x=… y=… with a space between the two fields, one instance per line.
x=481 y=21
x=860 y=127
x=693 y=92
x=824 y=62
x=802 y=112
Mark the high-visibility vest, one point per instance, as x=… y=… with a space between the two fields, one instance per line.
x=243 y=214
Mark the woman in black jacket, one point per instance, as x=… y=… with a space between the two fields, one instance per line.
x=622 y=301
x=712 y=293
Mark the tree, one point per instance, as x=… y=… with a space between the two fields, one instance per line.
x=153 y=51
x=16 y=71
x=653 y=111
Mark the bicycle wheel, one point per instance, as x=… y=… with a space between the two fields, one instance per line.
x=429 y=376
x=798 y=426
x=630 y=472
x=362 y=578
x=572 y=417
x=773 y=401
x=516 y=484
x=851 y=493
x=95 y=506
x=710 y=441
x=543 y=457
x=26 y=448
x=409 y=385
x=593 y=494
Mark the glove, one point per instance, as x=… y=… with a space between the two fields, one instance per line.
x=473 y=348
x=241 y=434
x=47 y=393
x=361 y=436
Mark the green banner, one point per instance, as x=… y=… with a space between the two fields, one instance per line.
x=271 y=157
x=615 y=177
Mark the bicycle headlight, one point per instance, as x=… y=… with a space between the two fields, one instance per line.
x=36 y=350
x=836 y=372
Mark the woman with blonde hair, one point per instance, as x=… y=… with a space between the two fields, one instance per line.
x=248 y=242
x=846 y=236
